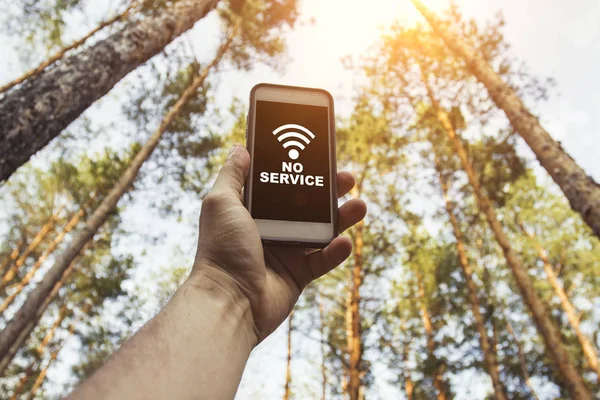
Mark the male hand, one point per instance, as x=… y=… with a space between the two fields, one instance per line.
x=230 y=253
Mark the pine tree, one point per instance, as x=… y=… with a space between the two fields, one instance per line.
x=287 y=391
x=419 y=64
x=489 y=354
x=366 y=146
x=580 y=189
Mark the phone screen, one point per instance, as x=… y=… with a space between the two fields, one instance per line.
x=291 y=178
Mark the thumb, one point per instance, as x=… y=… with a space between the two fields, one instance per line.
x=234 y=171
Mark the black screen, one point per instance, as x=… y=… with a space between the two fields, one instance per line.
x=291 y=179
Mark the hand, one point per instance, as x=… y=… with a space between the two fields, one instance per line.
x=230 y=252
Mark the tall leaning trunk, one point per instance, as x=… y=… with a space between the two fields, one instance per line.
x=580 y=189
x=288 y=371
x=522 y=359
x=323 y=350
x=42 y=375
x=541 y=316
x=353 y=327
x=489 y=354
x=571 y=312
x=61 y=53
x=38 y=295
x=37 y=240
x=12 y=257
x=33 y=365
x=409 y=384
x=438 y=381
x=34 y=114
x=26 y=331
x=18 y=288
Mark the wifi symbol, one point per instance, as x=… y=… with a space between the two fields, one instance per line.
x=295 y=132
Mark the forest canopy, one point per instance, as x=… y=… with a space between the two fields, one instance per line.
x=476 y=274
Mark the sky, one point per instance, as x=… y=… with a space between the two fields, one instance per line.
x=554 y=38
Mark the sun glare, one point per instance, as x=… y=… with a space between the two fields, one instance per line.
x=344 y=28
x=357 y=22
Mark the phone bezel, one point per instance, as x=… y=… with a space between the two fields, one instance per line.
x=307 y=234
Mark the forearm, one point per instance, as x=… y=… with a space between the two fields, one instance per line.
x=196 y=347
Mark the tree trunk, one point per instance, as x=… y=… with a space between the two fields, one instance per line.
x=323 y=350
x=61 y=53
x=50 y=334
x=23 y=381
x=40 y=379
x=11 y=273
x=580 y=189
x=549 y=332
x=522 y=360
x=40 y=351
x=354 y=334
x=288 y=371
x=55 y=243
x=409 y=385
x=37 y=296
x=489 y=354
x=438 y=381
x=34 y=114
x=572 y=315
x=25 y=332
x=12 y=257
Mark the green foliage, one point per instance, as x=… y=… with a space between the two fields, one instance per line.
x=260 y=25
x=43 y=21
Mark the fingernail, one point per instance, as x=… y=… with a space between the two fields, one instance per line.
x=232 y=150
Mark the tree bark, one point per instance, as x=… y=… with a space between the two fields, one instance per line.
x=61 y=53
x=438 y=381
x=35 y=113
x=489 y=354
x=37 y=296
x=323 y=350
x=549 y=332
x=55 y=243
x=354 y=334
x=580 y=189
x=572 y=315
x=11 y=273
x=288 y=370
x=522 y=360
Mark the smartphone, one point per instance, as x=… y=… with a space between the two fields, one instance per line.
x=291 y=188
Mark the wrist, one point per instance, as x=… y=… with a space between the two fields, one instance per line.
x=233 y=307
